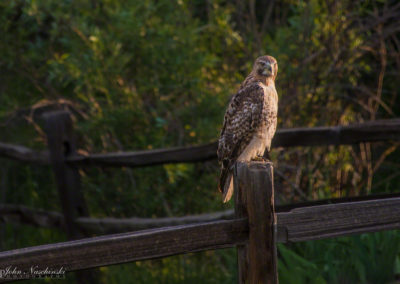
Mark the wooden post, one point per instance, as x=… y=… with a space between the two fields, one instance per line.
x=254 y=199
x=241 y=212
x=61 y=144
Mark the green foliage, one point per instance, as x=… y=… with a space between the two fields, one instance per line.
x=294 y=268
x=367 y=258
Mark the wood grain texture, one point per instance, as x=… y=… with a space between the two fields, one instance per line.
x=373 y=131
x=118 y=225
x=127 y=247
x=285 y=213
x=20 y=214
x=376 y=197
x=240 y=196
x=257 y=178
x=149 y=157
x=341 y=219
x=299 y=224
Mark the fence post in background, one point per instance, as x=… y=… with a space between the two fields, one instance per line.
x=61 y=144
x=254 y=199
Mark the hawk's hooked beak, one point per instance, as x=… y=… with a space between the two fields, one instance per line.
x=267 y=69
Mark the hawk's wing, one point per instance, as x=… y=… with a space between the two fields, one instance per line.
x=242 y=118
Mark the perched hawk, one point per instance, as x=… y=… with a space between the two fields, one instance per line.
x=249 y=122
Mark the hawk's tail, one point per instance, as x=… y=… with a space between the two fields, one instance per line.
x=226 y=184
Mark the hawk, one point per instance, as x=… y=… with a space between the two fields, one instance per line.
x=249 y=122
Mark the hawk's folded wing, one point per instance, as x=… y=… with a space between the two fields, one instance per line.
x=242 y=118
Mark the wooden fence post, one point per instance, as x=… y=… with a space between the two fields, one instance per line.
x=241 y=212
x=254 y=199
x=61 y=144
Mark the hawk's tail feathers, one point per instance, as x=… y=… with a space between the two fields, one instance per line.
x=226 y=184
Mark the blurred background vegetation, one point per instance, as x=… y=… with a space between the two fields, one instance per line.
x=153 y=74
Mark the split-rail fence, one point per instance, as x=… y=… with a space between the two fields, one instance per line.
x=253 y=227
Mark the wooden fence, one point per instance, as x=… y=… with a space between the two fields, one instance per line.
x=254 y=227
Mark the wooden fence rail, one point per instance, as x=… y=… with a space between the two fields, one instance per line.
x=127 y=247
x=299 y=224
x=24 y=154
x=373 y=131
x=19 y=214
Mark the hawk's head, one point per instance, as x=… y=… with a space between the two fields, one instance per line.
x=266 y=66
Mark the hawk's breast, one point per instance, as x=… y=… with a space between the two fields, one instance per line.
x=262 y=137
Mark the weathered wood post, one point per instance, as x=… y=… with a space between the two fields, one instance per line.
x=254 y=199
x=61 y=144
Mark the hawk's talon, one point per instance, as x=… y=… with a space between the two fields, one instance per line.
x=260 y=159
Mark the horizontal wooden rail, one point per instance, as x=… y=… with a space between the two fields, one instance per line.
x=341 y=219
x=373 y=131
x=299 y=224
x=296 y=224
x=24 y=154
x=19 y=214
x=10 y=213
x=189 y=154
x=118 y=225
x=127 y=247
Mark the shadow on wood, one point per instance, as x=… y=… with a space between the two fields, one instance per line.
x=254 y=196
